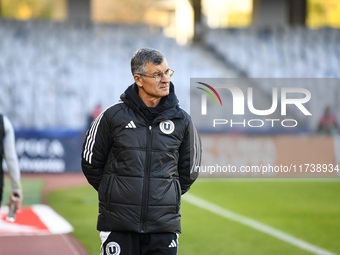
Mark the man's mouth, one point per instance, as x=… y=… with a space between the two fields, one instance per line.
x=164 y=87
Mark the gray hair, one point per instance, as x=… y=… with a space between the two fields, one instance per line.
x=144 y=56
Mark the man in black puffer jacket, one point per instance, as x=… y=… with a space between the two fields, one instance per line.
x=140 y=154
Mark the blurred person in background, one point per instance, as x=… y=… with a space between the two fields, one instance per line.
x=7 y=151
x=97 y=111
x=94 y=114
x=327 y=123
x=140 y=155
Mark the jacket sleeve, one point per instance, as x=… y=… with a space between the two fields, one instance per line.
x=96 y=147
x=189 y=157
x=11 y=157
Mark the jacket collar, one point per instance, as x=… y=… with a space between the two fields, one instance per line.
x=167 y=108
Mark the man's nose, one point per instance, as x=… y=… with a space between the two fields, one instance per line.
x=165 y=78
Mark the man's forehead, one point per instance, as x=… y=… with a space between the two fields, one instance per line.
x=152 y=68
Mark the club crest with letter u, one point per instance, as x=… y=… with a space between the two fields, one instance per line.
x=112 y=248
x=167 y=127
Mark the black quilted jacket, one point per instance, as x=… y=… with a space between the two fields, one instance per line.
x=140 y=170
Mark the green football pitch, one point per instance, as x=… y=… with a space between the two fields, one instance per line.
x=234 y=216
x=32 y=189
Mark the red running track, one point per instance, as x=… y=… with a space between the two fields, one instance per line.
x=64 y=244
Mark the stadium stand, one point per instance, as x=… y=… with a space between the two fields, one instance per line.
x=53 y=73
x=280 y=52
x=286 y=52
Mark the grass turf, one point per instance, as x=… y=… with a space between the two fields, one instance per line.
x=79 y=206
x=32 y=190
x=306 y=209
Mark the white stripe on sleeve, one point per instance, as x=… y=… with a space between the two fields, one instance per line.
x=91 y=139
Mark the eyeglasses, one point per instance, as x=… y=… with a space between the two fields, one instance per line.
x=158 y=77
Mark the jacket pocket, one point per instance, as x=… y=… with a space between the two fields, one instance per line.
x=108 y=192
x=178 y=195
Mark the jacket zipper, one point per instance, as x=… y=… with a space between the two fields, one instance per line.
x=146 y=181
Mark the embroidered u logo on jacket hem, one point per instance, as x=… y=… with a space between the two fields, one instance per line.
x=112 y=248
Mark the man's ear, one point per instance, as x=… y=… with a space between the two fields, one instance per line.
x=138 y=80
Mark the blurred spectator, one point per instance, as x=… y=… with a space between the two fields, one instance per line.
x=95 y=113
x=327 y=123
x=7 y=149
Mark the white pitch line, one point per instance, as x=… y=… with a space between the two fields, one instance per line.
x=254 y=224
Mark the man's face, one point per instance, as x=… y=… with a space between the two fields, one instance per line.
x=150 y=86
